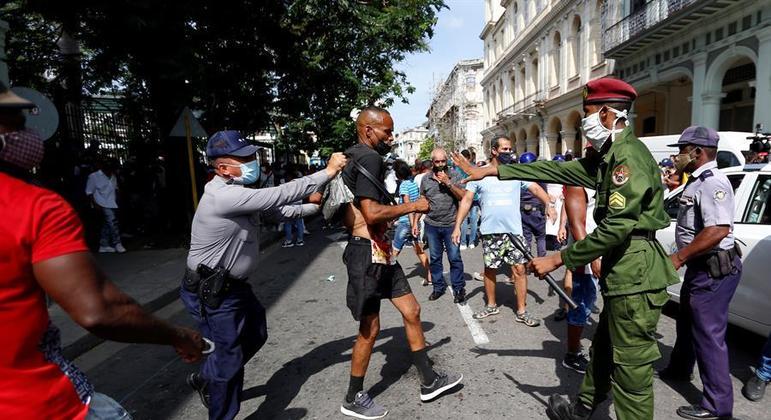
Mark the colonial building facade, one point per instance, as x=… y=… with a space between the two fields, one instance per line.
x=693 y=62
x=538 y=56
x=455 y=114
x=407 y=144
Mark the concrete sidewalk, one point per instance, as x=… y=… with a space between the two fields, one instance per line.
x=151 y=277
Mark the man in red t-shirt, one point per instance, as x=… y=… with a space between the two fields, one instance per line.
x=42 y=251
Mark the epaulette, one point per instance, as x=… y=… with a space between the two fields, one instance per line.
x=706 y=174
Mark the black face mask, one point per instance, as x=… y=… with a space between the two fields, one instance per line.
x=505 y=158
x=382 y=148
x=438 y=169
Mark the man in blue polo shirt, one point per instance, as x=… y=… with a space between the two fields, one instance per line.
x=499 y=202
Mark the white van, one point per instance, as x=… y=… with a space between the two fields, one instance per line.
x=729 y=150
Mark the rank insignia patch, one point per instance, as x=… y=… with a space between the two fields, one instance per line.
x=617 y=201
x=620 y=175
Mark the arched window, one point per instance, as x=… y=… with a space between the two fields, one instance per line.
x=554 y=79
x=523 y=83
x=500 y=96
x=513 y=87
x=596 y=33
x=515 y=21
x=534 y=74
x=575 y=43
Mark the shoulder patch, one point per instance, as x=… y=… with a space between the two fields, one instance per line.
x=719 y=195
x=620 y=175
x=617 y=201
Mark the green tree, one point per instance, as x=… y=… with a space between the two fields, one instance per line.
x=425 y=148
x=246 y=65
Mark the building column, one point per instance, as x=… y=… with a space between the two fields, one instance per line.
x=3 y=57
x=763 y=80
x=532 y=145
x=697 y=89
x=551 y=146
x=710 y=104
x=568 y=138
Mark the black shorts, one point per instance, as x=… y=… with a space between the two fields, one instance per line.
x=369 y=283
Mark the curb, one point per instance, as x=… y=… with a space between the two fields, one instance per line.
x=88 y=341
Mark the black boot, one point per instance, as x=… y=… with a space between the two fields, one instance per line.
x=560 y=408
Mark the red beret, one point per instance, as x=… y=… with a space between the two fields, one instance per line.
x=608 y=89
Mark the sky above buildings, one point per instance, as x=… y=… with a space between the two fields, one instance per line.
x=456 y=37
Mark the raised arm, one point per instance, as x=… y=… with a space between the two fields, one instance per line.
x=582 y=172
x=246 y=200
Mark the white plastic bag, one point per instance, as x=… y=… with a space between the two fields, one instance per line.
x=336 y=195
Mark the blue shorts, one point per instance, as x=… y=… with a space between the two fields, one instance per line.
x=584 y=295
x=402 y=234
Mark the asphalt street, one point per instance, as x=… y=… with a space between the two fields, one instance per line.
x=302 y=372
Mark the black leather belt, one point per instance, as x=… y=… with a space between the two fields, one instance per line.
x=528 y=208
x=701 y=260
x=647 y=235
x=192 y=276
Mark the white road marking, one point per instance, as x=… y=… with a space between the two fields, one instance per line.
x=477 y=333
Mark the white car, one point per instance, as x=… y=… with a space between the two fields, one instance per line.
x=730 y=151
x=751 y=305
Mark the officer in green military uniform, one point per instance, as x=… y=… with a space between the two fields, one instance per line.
x=635 y=268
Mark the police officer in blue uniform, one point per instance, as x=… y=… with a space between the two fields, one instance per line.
x=705 y=244
x=224 y=247
x=533 y=218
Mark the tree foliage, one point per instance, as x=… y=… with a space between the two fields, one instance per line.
x=425 y=148
x=301 y=64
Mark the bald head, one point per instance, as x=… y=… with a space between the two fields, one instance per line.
x=371 y=115
x=374 y=125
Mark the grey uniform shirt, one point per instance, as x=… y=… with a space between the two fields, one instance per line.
x=708 y=200
x=443 y=204
x=226 y=225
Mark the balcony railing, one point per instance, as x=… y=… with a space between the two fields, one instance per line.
x=653 y=13
x=521 y=105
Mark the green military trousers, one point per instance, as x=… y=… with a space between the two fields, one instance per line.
x=622 y=354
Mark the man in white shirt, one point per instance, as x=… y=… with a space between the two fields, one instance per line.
x=101 y=188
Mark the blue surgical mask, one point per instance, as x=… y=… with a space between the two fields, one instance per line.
x=250 y=173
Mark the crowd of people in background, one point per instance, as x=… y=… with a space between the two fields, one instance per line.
x=129 y=199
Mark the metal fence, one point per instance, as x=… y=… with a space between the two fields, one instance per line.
x=102 y=120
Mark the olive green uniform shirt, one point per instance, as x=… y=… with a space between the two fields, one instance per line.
x=629 y=197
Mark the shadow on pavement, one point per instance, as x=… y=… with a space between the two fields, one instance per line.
x=744 y=348
x=281 y=389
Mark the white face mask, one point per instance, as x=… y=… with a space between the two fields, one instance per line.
x=597 y=133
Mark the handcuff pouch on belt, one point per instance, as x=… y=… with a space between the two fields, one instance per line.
x=721 y=263
x=210 y=284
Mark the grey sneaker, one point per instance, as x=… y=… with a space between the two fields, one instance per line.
x=442 y=383
x=527 y=319
x=363 y=407
x=487 y=311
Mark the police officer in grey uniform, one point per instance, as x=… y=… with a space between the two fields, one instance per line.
x=224 y=246
x=705 y=244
